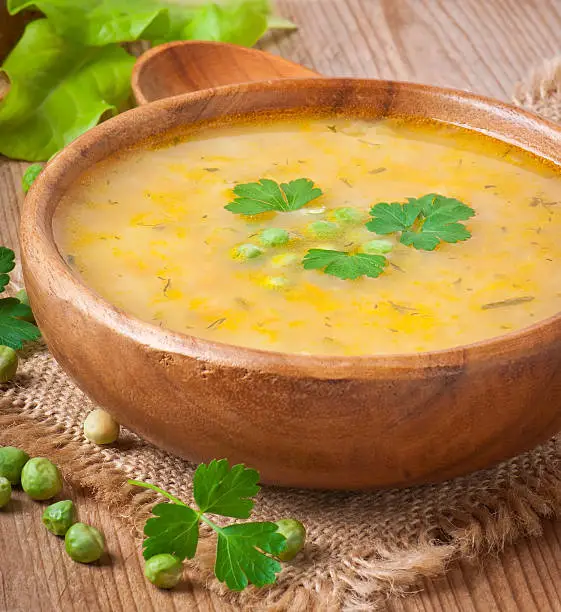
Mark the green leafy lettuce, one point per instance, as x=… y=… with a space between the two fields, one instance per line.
x=100 y=22
x=241 y=23
x=59 y=89
x=68 y=70
x=29 y=176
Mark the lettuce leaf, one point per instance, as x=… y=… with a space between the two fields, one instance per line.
x=102 y=22
x=67 y=71
x=240 y=23
x=58 y=90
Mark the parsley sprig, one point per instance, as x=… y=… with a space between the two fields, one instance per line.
x=424 y=222
x=267 y=195
x=245 y=551
x=14 y=331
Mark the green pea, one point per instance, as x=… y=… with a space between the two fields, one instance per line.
x=59 y=517
x=22 y=296
x=164 y=570
x=8 y=363
x=276 y=282
x=274 y=236
x=246 y=251
x=12 y=461
x=41 y=479
x=84 y=543
x=295 y=534
x=376 y=247
x=348 y=215
x=5 y=491
x=100 y=427
x=323 y=229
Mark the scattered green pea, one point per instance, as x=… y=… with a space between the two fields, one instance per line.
x=100 y=427
x=59 y=517
x=323 y=229
x=246 y=251
x=164 y=570
x=12 y=461
x=375 y=247
x=84 y=543
x=8 y=363
x=347 y=215
x=295 y=534
x=274 y=236
x=284 y=260
x=22 y=296
x=276 y=282
x=5 y=491
x=41 y=479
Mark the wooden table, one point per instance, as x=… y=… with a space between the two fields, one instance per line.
x=481 y=45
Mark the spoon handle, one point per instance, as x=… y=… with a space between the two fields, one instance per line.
x=187 y=66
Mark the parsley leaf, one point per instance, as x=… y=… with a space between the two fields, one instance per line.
x=13 y=331
x=394 y=217
x=175 y=530
x=345 y=265
x=220 y=490
x=267 y=195
x=7 y=264
x=239 y=556
x=425 y=222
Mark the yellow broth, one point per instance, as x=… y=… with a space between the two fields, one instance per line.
x=148 y=231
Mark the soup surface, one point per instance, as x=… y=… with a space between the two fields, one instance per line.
x=148 y=230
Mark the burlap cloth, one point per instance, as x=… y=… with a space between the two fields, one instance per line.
x=362 y=547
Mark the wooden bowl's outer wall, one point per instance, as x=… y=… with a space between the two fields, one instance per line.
x=306 y=421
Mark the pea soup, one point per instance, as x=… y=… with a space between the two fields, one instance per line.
x=160 y=233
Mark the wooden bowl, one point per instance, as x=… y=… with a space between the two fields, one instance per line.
x=307 y=421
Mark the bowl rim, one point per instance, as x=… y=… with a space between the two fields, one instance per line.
x=38 y=244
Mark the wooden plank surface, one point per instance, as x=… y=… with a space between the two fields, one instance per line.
x=481 y=45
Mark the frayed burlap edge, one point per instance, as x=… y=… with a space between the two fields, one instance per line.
x=541 y=92
x=367 y=579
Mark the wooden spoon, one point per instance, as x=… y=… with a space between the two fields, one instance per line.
x=187 y=66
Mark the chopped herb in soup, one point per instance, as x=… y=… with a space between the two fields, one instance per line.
x=340 y=237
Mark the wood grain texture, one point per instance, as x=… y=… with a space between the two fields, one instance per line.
x=473 y=44
x=188 y=66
